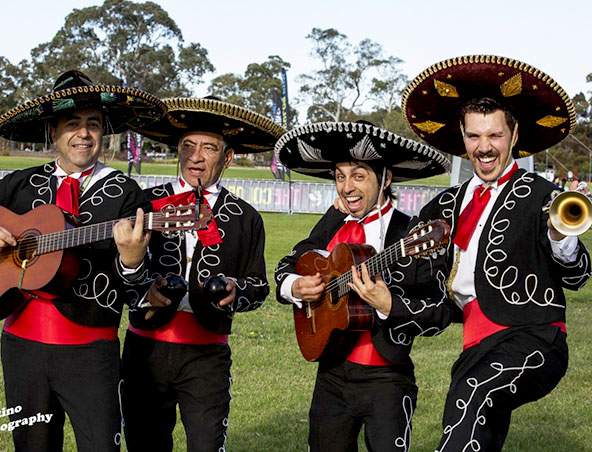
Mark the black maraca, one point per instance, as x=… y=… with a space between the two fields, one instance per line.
x=214 y=288
x=175 y=290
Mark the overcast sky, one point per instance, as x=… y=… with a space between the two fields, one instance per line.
x=555 y=37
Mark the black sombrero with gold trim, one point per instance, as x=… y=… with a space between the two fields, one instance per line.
x=125 y=108
x=314 y=149
x=246 y=131
x=432 y=101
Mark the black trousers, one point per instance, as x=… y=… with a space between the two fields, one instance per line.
x=349 y=395
x=489 y=380
x=159 y=375
x=47 y=381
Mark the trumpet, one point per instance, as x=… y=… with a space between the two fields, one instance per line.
x=570 y=212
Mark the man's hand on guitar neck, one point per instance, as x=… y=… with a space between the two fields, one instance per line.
x=131 y=241
x=374 y=292
x=6 y=238
x=308 y=288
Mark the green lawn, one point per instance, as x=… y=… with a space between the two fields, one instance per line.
x=273 y=383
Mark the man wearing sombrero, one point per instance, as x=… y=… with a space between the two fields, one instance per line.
x=372 y=383
x=60 y=352
x=186 y=361
x=508 y=265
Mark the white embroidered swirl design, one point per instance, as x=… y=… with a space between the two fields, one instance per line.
x=42 y=183
x=111 y=189
x=280 y=275
x=209 y=259
x=505 y=277
x=97 y=289
x=404 y=442
x=448 y=201
x=404 y=333
x=532 y=361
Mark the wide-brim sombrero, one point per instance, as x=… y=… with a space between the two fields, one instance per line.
x=246 y=131
x=432 y=101
x=314 y=149
x=125 y=108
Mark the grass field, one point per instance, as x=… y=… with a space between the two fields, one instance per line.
x=9 y=162
x=273 y=383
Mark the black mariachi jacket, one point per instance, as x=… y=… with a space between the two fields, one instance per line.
x=240 y=257
x=96 y=297
x=517 y=278
x=408 y=282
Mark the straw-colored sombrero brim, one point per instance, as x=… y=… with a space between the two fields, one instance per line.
x=125 y=108
x=314 y=149
x=248 y=132
x=432 y=101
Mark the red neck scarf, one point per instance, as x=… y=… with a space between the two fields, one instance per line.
x=467 y=222
x=208 y=237
x=69 y=192
x=353 y=230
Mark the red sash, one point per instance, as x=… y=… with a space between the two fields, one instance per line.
x=365 y=353
x=40 y=321
x=477 y=326
x=182 y=329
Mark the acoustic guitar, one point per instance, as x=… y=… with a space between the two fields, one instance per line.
x=41 y=260
x=323 y=327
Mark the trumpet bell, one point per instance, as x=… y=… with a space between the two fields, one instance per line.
x=571 y=213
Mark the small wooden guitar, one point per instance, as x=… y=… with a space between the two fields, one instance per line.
x=322 y=326
x=40 y=260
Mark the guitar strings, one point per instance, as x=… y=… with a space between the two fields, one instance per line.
x=371 y=263
x=56 y=240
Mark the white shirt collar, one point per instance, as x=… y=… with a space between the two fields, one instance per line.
x=476 y=181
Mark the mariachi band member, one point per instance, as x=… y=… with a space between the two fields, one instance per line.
x=371 y=383
x=186 y=361
x=60 y=351
x=508 y=265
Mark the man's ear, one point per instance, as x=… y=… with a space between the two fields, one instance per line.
x=52 y=134
x=388 y=179
x=228 y=156
x=515 y=138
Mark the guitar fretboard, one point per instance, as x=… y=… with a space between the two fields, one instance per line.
x=70 y=238
x=183 y=219
x=375 y=265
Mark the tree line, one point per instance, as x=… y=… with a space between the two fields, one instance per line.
x=140 y=45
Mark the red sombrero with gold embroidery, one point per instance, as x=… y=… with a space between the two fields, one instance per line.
x=432 y=101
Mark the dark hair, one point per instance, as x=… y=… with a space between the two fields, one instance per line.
x=378 y=169
x=486 y=105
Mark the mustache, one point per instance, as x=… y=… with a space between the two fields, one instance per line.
x=490 y=153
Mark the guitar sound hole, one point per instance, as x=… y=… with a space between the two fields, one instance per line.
x=334 y=296
x=26 y=248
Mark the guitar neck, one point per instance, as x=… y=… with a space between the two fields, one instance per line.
x=375 y=265
x=82 y=235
